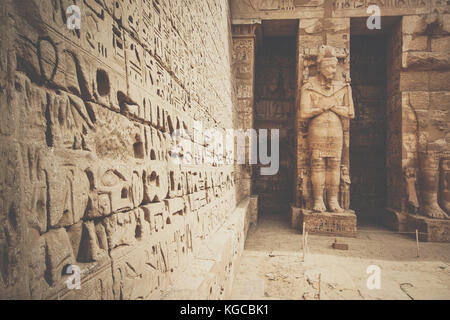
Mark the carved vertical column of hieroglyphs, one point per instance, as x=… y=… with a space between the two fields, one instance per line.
x=243 y=68
x=312 y=34
x=96 y=108
x=12 y=232
x=425 y=97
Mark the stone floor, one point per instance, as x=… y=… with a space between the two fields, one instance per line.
x=272 y=265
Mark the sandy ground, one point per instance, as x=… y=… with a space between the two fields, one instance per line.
x=272 y=265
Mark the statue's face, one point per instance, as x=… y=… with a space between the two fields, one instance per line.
x=328 y=69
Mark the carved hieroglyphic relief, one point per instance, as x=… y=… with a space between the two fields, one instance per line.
x=357 y=4
x=358 y=8
x=274 y=5
x=97 y=107
x=243 y=66
x=307 y=9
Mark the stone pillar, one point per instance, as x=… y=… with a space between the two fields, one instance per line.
x=244 y=42
x=313 y=33
x=394 y=127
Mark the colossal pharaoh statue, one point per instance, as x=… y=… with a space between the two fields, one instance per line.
x=324 y=101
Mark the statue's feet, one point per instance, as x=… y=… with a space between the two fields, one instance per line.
x=334 y=206
x=445 y=201
x=446 y=206
x=434 y=211
x=319 y=206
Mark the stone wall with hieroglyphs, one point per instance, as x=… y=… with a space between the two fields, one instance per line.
x=85 y=140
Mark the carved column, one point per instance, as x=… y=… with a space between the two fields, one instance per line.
x=245 y=35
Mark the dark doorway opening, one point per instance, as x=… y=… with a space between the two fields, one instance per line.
x=368 y=131
x=275 y=90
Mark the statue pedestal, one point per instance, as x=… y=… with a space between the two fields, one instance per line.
x=430 y=230
x=395 y=220
x=329 y=223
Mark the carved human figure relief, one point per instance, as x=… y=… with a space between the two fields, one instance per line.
x=410 y=177
x=324 y=101
x=344 y=194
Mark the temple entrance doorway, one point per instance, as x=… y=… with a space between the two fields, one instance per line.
x=368 y=131
x=275 y=92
